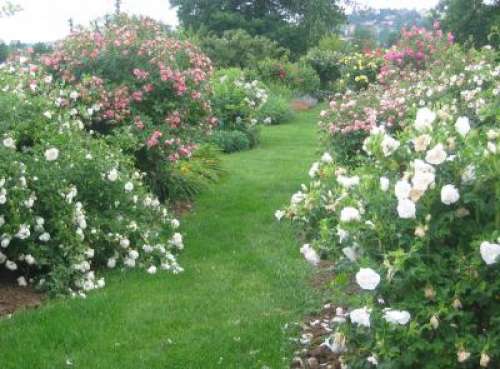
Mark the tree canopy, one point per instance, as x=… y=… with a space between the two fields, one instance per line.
x=469 y=19
x=295 y=24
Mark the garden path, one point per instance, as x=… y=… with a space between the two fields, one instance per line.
x=244 y=280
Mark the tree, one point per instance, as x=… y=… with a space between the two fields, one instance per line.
x=294 y=24
x=4 y=52
x=469 y=19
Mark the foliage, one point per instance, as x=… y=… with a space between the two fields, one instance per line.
x=293 y=24
x=298 y=77
x=231 y=141
x=276 y=110
x=69 y=202
x=236 y=102
x=413 y=227
x=469 y=19
x=4 y=52
x=139 y=83
x=326 y=64
x=237 y=48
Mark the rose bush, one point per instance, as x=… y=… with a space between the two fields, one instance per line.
x=70 y=202
x=414 y=224
x=131 y=78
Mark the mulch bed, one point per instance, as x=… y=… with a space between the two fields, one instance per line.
x=14 y=298
x=317 y=328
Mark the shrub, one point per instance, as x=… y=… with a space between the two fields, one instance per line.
x=237 y=101
x=299 y=77
x=276 y=110
x=69 y=202
x=231 y=141
x=237 y=48
x=326 y=64
x=414 y=229
x=135 y=79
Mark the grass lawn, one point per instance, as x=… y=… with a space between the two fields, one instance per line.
x=244 y=280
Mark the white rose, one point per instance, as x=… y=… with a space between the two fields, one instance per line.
x=406 y=209
x=462 y=126
x=350 y=214
x=29 y=259
x=367 y=279
x=326 y=158
x=484 y=361
x=279 y=214
x=348 y=182
x=175 y=223
x=313 y=172
x=11 y=265
x=24 y=232
x=425 y=118
x=449 y=194
x=361 y=317
x=177 y=241
x=152 y=269
x=44 y=237
x=384 y=184
x=297 y=198
x=401 y=317
x=310 y=254
x=112 y=175
x=436 y=155
x=490 y=252
x=463 y=356
x=133 y=254
x=111 y=263
x=422 y=142
x=51 y=154
x=124 y=242
x=21 y=281
x=129 y=186
x=9 y=143
x=469 y=174
x=389 y=145
x=402 y=189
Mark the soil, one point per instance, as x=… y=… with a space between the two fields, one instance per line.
x=181 y=208
x=14 y=297
x=317 y=328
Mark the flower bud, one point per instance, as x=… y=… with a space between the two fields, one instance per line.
x=457 y=304
x=429 y=293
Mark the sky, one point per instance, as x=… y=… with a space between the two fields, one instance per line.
x=47 y=20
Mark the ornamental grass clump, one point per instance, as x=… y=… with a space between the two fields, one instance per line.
x=414 y=227
x=70 y=202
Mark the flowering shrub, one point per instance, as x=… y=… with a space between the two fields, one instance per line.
x=236 y=102
x=133 y=78
x=70 y=202
x=358 y=70
x=414 y=229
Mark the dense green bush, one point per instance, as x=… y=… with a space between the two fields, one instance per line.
x=237 y=48
x=276 y=110
x=231 y=141
x=298 y=77
x=326 y=64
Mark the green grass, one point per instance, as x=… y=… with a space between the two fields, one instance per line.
x=244 y=280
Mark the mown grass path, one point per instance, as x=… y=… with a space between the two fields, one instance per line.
x=244 y=281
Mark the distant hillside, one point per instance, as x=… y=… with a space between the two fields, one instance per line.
x=383 y=25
